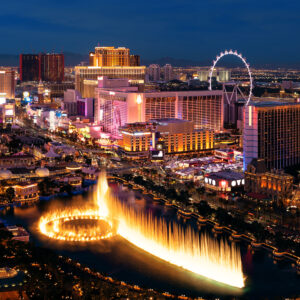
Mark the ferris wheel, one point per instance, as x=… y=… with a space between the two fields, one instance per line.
x=243 y=59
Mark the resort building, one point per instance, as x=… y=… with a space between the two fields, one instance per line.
x=168 y=72
x=42 y=67
x=164 y=137
x=26 y=191
x=75 y=105
x=275 y=184
x=113 y=57
x=111 y=62
x=83 y=75
x=7 y=113
x=7 y=83
x=219 y=74
x=272 y=133
x=117 y=103
x=154 y=72
x=17 y=160
x=224 y=181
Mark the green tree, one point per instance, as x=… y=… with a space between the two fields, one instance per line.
x=204 y=209
x=8 y=127
x=171 y=193
x=69 y=158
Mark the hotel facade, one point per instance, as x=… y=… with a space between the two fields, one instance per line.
x=86 y=78
x=113 y=57
x=272 y=133
x=164 y=136
x=275 y=183
x=7 y=83
x=111 y=62
x=116 y=105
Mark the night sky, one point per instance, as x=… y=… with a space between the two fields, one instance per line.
x=265 y=31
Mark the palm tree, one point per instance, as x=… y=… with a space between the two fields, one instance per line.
x=10 y=194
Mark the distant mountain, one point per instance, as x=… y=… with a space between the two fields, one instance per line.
x=176 y=62
x=228 y=62
x=9 y=60
x=73 y=59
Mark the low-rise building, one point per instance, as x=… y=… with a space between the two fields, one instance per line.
x=275 y=184
x=18 y=160
x=165 y=136
x=26 y=191
x=18 y=233
x=224 y=181
x=74 y=181
x=7 y=113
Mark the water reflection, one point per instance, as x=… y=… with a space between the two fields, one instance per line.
x=121 y=260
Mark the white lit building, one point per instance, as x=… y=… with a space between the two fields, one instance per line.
x=7 y=113
x=136 y=75
x=220 y=74
x=48 y=118
x=224 y=181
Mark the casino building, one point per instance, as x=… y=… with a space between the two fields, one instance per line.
x=275 y=184
x=111 y=62
x=272 y=133
x=164 y=136
x=223 y=181
x=86 y=78
x=118 y=103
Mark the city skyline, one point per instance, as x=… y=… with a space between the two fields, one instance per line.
x=150 y=150
x=174 y=29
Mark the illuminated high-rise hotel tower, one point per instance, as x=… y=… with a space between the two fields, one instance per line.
x=272 y=133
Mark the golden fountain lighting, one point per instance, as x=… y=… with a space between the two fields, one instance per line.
x=169 y=241
x=74 y=225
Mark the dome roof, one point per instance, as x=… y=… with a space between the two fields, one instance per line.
x=42 y=172
x=5 y=174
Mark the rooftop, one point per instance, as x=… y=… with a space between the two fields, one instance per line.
x=272 y=103
x=229 y=175
x=165 y=121
x=21 y=156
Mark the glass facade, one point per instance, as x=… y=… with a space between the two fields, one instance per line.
x=272 y=133
x=160 y=107
x=45 y=67
x=110 y=57
x=135 y=74
x=29 y=67
x=52 y=67
x=204 y=111
x=279 y=136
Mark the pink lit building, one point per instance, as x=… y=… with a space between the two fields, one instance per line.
x=118 y=103
x=75 y=105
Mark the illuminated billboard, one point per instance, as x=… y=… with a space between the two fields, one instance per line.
x=157 y=155
x=9 y=112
